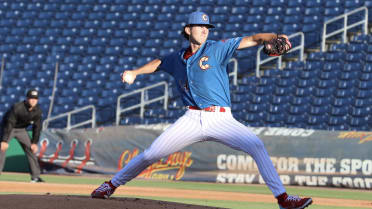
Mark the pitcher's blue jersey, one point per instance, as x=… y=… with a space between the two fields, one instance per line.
x=203 y=79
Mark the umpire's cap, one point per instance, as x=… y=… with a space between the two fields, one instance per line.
x=199 y=18
x=32 y=93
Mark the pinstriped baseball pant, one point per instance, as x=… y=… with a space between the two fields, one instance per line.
x=196 y=126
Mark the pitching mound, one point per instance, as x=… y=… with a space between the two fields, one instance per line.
x=84 y=202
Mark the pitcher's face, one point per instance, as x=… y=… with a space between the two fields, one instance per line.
x=199 y=34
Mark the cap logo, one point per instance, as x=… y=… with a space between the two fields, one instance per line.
x=34 y=93
x=205 y=17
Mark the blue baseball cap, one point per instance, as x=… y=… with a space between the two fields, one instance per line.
x=199 y=18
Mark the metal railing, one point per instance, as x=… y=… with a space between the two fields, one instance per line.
x=143 y=101
x=53 y=91
x=68 y=115
x=300 y=48
x=2 y=71
x=345 y=27
x=234 y=73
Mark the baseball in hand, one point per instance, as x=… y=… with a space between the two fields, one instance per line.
x=128 y=77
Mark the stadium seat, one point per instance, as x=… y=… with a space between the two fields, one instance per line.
x=302 y=92
x=298 y=109
x=296 y=121
x=363 y=94
x=316 y=120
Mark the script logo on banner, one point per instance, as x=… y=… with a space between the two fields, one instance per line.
x=362 y=136
x=177 y=161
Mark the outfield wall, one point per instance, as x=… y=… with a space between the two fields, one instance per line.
x=301 y=157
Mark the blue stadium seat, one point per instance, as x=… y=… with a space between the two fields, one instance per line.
x=360 y=111
x=318 y=110
x=176 y=104
x=352 y=4
x=344 y=84
x=284 y=82
x=274 y=120
x=320 y=101
x=256 y=99
x=302 y=92
x=325 y=84
x=327 y=75
x=309 y=27
x=336 y=120
x=256 y=108
x=316 y=120
x=282 y=91
x=363 y=94
x=313 y=65
x=316 y=56
x=358 y=123
x=365 y=76
x=291 y=28
x=335 y=56
x=343 y=93
x=351 y=75
x=329 y=66
x=304 y=83
x=131 y=120
x=279 y=100
x=364 y=84
x=288 y=73
x=332 y=11
x=253 y=119
x=355 y=57
x=298 y=109
x=297 y=121
x=13 y=39
x=312 y=19
x=359 y=102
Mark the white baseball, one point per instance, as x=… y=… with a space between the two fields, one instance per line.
x=129 y=78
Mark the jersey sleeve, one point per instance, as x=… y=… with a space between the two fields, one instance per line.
x=226 y=48
x=166 y=63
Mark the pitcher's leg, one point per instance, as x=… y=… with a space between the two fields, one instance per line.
x=237 y=136
x=182 y=133
x=25 y=141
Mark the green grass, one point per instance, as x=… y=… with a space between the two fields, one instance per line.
x=254 y=189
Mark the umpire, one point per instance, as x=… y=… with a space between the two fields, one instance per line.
x=14 y=125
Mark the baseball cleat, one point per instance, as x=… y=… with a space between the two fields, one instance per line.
x=37 y=180
x=104 y=191
x=295 y=202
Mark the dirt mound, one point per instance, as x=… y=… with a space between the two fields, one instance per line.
x=84 y=202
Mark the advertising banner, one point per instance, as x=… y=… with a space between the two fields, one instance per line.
x=301 y=157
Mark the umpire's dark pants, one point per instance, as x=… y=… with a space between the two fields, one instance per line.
x=24 y=139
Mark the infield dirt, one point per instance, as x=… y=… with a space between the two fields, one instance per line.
x=67 y=196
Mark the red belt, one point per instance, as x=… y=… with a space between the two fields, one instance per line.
x=208 y=109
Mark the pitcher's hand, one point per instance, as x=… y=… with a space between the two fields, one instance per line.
x=128 y=77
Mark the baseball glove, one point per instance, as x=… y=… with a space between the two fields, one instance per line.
x=277 y=46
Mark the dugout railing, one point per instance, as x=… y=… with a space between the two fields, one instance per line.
x=69 y=125
x=143 y=100
x=2 y=71
x=345 y=26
